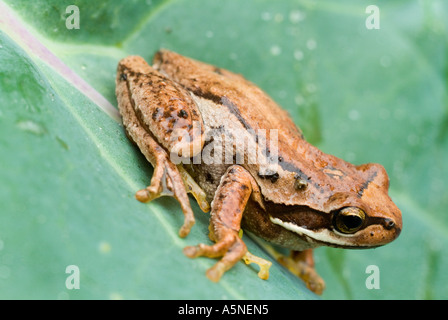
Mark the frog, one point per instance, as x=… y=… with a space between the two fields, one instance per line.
x=187 y=116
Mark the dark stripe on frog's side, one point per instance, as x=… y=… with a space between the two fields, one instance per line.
x=234 y=110
x=288 y=166
x=271 y=176
x=227 y=103
x=285 y=165
x=365 y=185
x=302 y=216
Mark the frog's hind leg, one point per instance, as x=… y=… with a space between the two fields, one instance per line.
x=301 y=264
x=228 y=205
x=164 y=107
x=166 y=179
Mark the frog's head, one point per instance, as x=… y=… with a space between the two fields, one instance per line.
x=361 y=215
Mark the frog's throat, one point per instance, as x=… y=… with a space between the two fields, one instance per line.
x=320 y=236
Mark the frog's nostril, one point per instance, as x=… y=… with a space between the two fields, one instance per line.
x=389 y=224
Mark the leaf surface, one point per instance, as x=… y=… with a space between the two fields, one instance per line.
x=69 y=173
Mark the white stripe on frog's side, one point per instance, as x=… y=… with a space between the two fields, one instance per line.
x=324 y=235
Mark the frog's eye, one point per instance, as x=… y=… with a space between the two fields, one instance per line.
x=349 y=220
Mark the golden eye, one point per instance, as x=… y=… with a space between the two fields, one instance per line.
x=349 y=220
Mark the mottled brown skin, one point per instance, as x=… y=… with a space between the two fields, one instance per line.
x=166 y=179
x=332 y=182
x=161 y=105
x=295 y=206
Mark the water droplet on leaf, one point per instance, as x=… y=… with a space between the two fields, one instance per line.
x=32 y=127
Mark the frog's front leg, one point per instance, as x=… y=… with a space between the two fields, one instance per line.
x=228 y=205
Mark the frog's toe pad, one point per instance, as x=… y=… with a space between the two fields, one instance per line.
x=191 y=252
x=143 y=195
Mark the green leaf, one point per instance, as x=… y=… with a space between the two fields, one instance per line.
x=68 y=173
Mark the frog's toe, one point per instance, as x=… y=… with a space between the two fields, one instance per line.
x=217 y=250
x=186 y=227
x=154 y=190
x=194 y=189
x=143 y=195
x=167 y=181
x=146 y=195
x=262 y=263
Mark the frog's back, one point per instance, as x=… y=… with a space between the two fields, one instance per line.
x=250 y=105
x=228 y=101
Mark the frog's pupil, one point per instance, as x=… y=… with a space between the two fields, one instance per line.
x=352 y=222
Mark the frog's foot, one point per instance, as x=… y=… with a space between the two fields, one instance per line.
x=230 y=258
x=167 y=181
x=227 y=208
x=301 y=264
x=230 y=247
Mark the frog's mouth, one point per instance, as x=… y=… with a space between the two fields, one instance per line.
x=311 y=225
x=325 y=236
x=322 y=235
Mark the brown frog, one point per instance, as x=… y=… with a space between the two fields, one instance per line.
x=210 y=132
